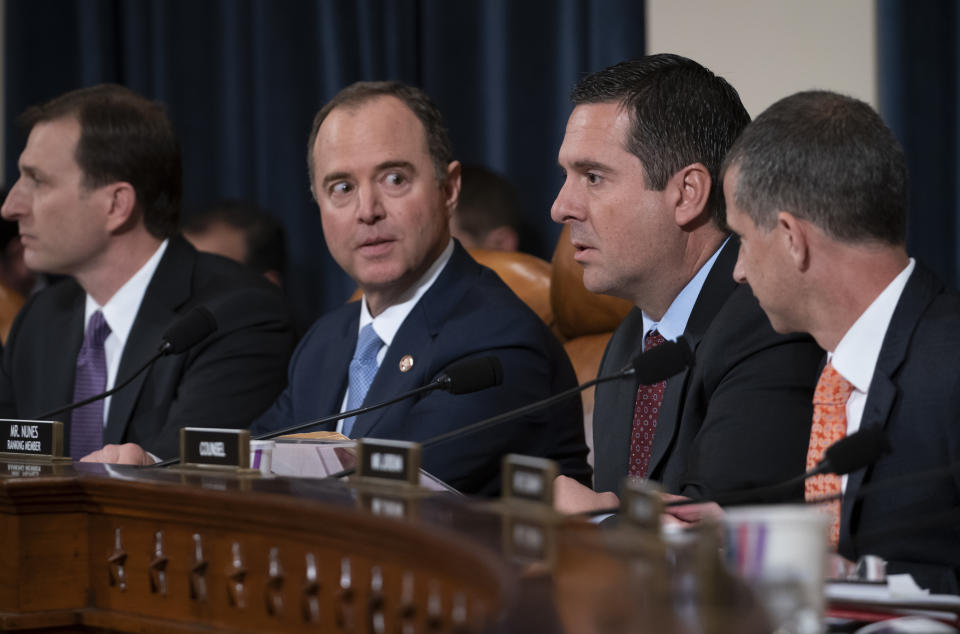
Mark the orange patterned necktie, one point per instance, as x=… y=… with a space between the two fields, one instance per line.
x=829 y=426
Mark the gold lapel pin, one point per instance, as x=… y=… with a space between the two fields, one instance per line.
x=406 y=363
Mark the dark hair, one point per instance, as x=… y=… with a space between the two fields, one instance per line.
x=680 y=114
x=829 y=159
x=263 y=236
x=437 y=139
x=487 y=201
x=123 y=137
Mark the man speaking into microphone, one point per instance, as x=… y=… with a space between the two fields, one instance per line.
x=816 y=188
x=98 y=200
x=642 y=155
x=383 y=175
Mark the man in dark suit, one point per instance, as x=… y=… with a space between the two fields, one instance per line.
x=642 y=154
x=816 y=188
x=384 y=177
x=98 y=200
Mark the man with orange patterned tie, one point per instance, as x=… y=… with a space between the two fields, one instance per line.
x=816 y=189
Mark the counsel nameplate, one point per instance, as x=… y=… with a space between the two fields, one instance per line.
x=211 y=447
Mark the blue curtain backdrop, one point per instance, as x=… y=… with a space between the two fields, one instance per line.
x=919 y=65
x=243 y=78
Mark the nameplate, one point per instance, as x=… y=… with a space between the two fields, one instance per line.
x=40 y=440
x=529 y=540
x=528 y=479
x=218 y=448
x=641 y=504
x=391 y=460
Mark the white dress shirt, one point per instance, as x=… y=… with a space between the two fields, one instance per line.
x=855 y=357
x=387 y=323
x=119 y=313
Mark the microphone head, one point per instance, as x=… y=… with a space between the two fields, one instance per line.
x=188 y=331
x=471 y=375
x=855 y=451
x=662 y=362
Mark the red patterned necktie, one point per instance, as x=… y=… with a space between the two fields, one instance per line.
x=829 y=426
x=646 y=411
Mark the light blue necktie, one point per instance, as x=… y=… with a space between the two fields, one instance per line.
x=363 y=368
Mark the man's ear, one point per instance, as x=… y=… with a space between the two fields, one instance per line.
x=691 y=189
x=122 y=201
x=451 y=187
x=795 y=239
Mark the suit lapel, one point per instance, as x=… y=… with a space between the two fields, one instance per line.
x=60 y=353
x=716 y=289
x=921 y=289
x=415 y=338
x=612 y=437
x=332 y=365
x=168 y=290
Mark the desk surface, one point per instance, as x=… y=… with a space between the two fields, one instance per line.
x=135 y=549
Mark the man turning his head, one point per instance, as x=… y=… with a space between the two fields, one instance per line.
x=816 y=189
x=642 y=156
x=98 y=200
x=383 y=175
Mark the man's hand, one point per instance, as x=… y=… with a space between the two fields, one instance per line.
x=128 y=453
x=571 y=497
x=689 y=514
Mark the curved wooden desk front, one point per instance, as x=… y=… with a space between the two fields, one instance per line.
x=91 y=547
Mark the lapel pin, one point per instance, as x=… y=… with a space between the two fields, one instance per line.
x=406 y=363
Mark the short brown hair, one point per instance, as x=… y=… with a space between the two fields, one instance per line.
x=438 y=141
x=123 y=137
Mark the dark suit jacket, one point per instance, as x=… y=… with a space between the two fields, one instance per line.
x=738 y=418
x=467 y=312
x=915 y=397
x=224 y=381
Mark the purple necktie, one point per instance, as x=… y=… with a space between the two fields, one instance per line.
x=86 y=424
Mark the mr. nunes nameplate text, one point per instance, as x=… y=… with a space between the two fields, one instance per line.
x=39 y=438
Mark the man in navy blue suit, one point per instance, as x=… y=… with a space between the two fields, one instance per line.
x=383 y=175
x=816 y=189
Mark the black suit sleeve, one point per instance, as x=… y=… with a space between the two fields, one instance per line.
x=226 y=381
x=754 y=397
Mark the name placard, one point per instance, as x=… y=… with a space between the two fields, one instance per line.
x=641 y=504
x=394 y=460
x=211 y=447
x=529 y=540
x=529 y=479
x=37 y=439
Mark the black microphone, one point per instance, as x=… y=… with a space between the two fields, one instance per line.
x=850 y=453
x=471 y=375
x=853 y=452
x=658 y=364
x=186 y=332
x=460 y=377
x=662 y=362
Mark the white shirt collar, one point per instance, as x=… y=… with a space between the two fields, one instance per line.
x=387 y=323
x=121 y=309
x=855 y=357
x=674 y=321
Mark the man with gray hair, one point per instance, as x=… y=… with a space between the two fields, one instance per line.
x=816 y=189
